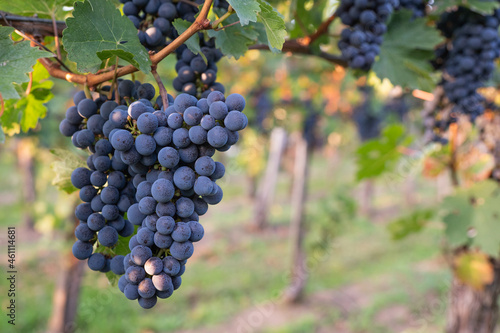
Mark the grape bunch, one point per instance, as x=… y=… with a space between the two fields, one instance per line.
x=195 y=76
x=160 y=173
x=470 y=59
x=366 y=20
x=153 y=19
x=416 y=6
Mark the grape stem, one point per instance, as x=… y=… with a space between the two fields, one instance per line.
x=201 y=23
x=227 y=26
x=113 y=83
x=221 y=19
x=322 y=29
x=56 y=37
x=161 y=86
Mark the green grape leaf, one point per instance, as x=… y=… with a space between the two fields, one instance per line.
x=30 y=108
x=193 y=43
x=486 y=220
x=246 y=10
x=410 y=224
x=458 y=218
x=29 y=7
x=97 y=31
x=233 y=41
x=470 y=214
x=308 y=15
x=63 y=166
x=381 y=155
x=483 y=7
x=406 y=52
x=121 y=247
x=274 y=24
x=16 y=60
x=112 y=278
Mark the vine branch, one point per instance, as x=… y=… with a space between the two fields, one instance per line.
x=322 y=29
x=33 y=25
x=91 y=80
x=295 y=47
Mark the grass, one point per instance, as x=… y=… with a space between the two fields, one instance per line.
x=234 y=269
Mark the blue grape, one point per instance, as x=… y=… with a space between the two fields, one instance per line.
x=134 y=215
x=147 y=303
x=197 y=231
x=153 y=266
x=219 y=171
x=188 y=154
x=136 y=109
x=175 y=120
x=184 y=178
x=140 y=254
x=200 y=206
x=192 y=116
x=235 y=102
x=102 y=163
x=147 y=123
x=96 y=261
x=96 y=221
x=108 y=236
x=122 y=282
x=84 y=233
x=165 y=209
x=184 y=207
x=145 y=144
x=217 y=137
x=122 y=140
x=215 y=96
x=145 y=237
x=197 y=135
x=218 y=110
x=203 y=186
x=208 y=122
x=131 y=291
x=110 y=195
x=235 y=121
x=117 y=265
x=147 y=205
x=180 y=138
x=87 y=108
x=181 y=251
x=162 y=282
x=171 y=266
x=87 y=193
x=168 y=157
x=183 y=101
x=165 y=225
x=83 y=211
x=181 y=233
x=146 y=288
x=163 y=190
x=163 y=136
x=82 y=250
x=162 y=241
x=66 y=128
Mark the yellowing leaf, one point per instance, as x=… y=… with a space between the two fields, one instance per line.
x=474 y=269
